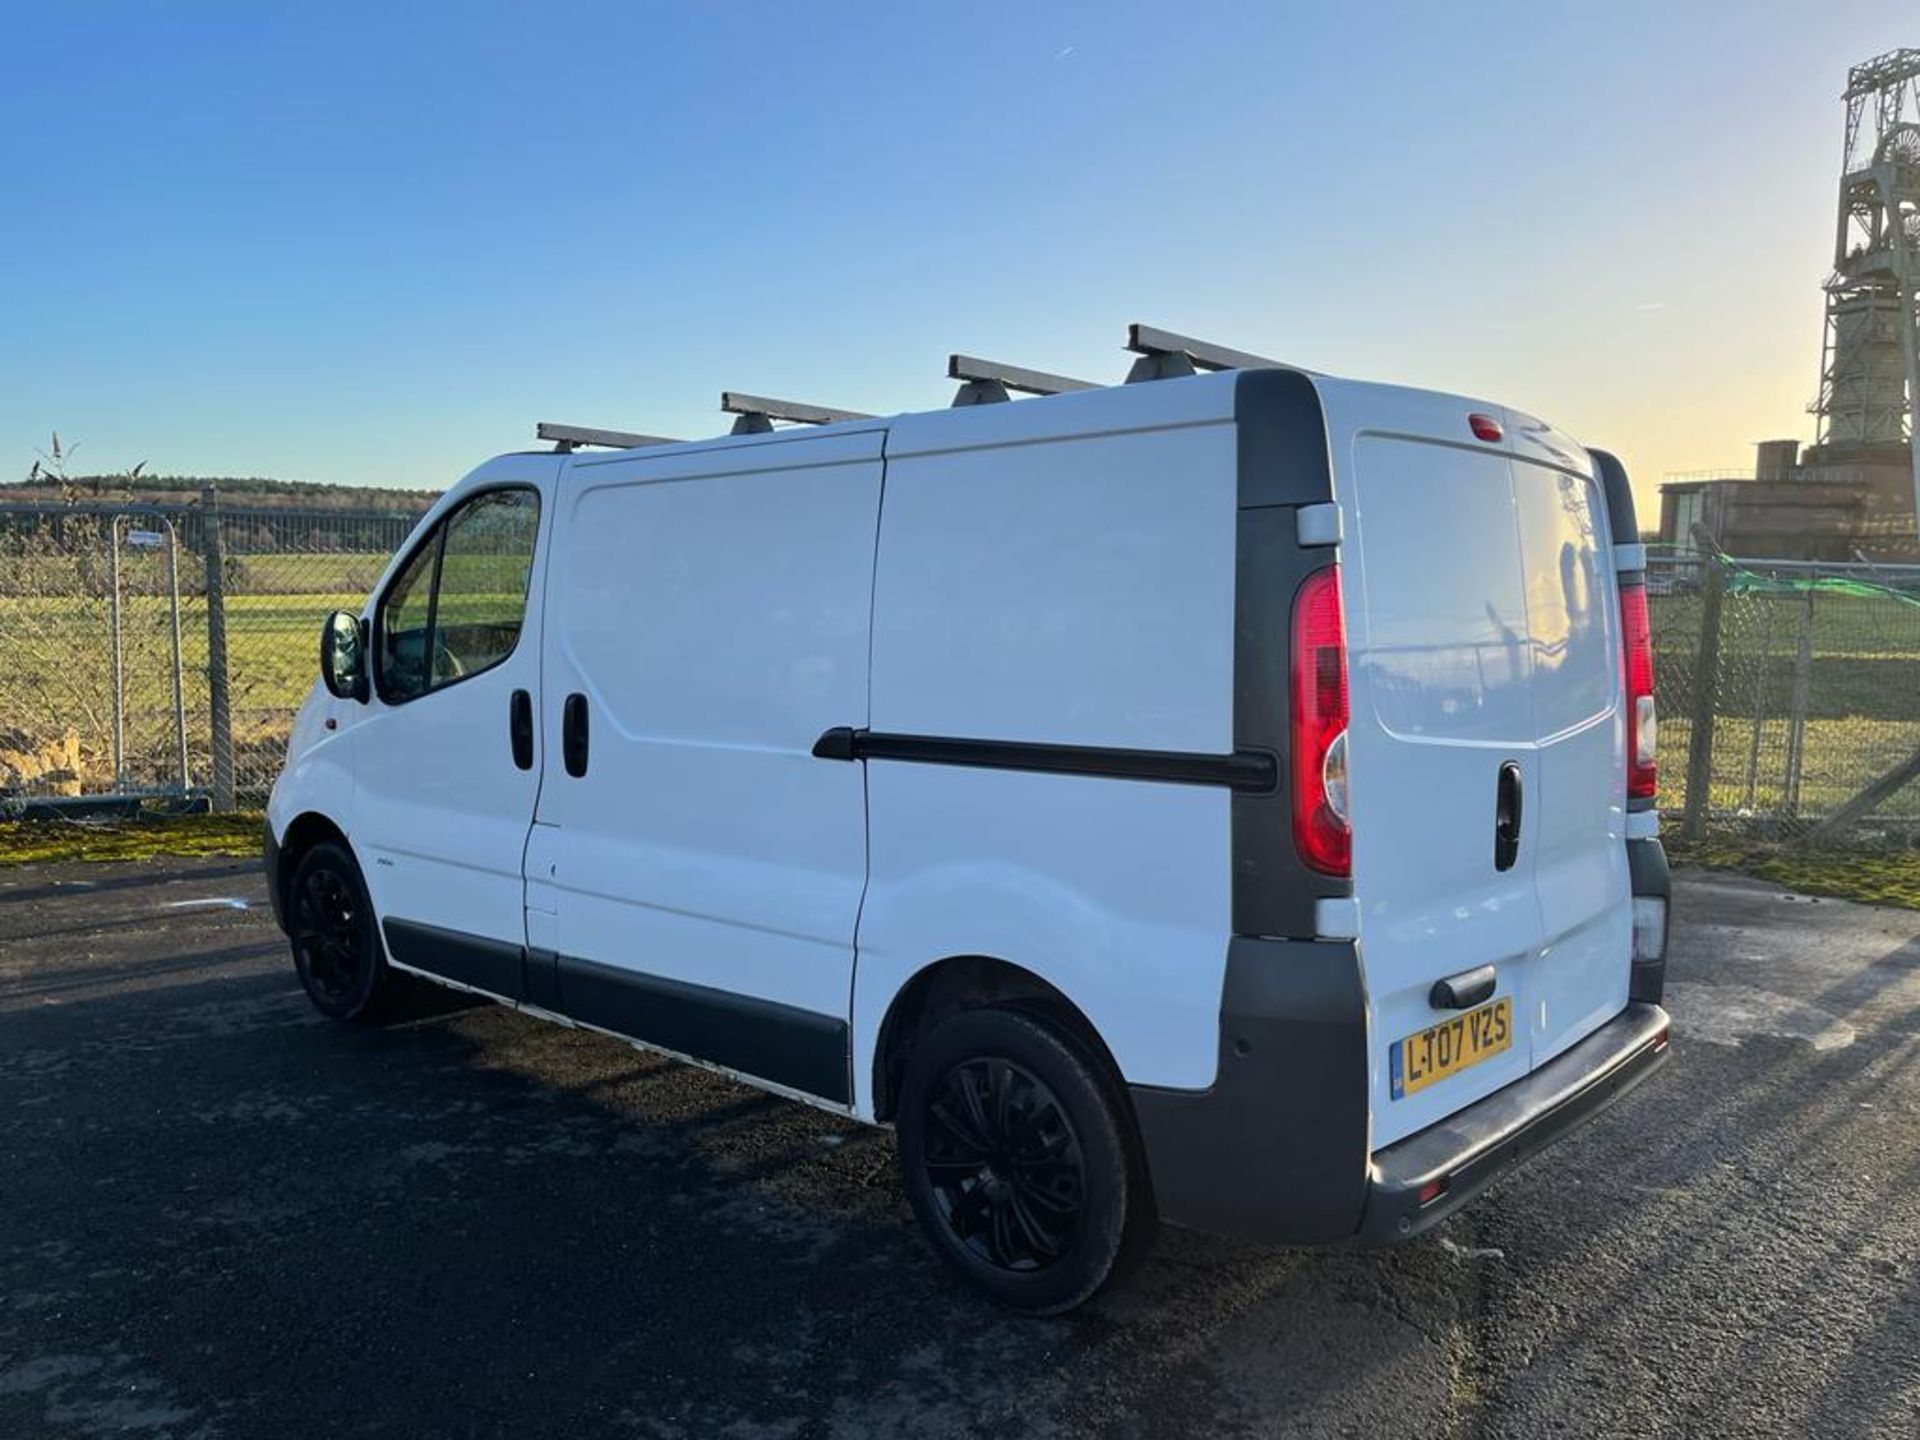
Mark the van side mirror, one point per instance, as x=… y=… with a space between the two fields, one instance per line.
x=343 y=656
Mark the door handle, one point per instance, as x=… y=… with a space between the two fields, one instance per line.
x=1465 y=990
x=573 y=735
x=520 y=728
x=1506 y=817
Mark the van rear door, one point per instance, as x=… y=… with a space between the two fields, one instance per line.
x=1484 y=678
x=1575 y=831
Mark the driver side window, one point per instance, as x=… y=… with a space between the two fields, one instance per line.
x=457 y=606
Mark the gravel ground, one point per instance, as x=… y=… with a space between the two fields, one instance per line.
x=222 y=1216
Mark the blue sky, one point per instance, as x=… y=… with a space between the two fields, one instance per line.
x=376 y=243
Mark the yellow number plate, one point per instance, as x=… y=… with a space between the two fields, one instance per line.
x=1450 y=1047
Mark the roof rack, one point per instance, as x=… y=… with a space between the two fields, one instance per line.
x=1163 y=354
x=986 y=382
x=1167 y=356
x=757 y=413
x=570 y=437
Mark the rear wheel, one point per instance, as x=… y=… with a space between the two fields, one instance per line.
x=1018 y=1162
x=336 y=945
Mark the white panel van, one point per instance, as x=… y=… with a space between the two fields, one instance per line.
x=1224 y=800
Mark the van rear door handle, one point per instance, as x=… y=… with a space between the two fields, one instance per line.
x=573 y=735
x=1465 y=990
x=1506 y=817
x=520 y=727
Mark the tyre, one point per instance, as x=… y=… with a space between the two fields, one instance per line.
x=336 y=942
x=1018 y=1161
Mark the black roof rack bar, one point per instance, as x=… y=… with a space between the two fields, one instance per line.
x=757 y=413
x=984 y=382
x=1167 y=356
x=568 y=437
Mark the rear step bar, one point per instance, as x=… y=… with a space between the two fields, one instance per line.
x=1423 y=1179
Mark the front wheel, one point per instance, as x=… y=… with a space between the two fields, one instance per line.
x=1018 y=1162
x=336 y=945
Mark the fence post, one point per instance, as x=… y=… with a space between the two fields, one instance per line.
x=1883 y=788
x=219 y=709
x=1706 y=688
x=1761 y=675
x=1802 y=695
x=179 y=677
x=119 y=666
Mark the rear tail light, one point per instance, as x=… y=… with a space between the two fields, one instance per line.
x=1637 y=656
x=1319 y=735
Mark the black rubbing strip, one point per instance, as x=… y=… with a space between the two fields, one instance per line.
x=799 y=1049
x=494 y=966
x=1239 y=771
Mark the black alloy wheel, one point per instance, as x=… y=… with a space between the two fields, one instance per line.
x=1004 y=1164
x=1017 y=1155
x=336 y=948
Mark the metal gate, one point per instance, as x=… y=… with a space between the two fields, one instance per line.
x=161 y=650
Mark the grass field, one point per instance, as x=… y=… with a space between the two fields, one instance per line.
x=1840 y=756
x=1864 y=654
x=57 y=678
x=1862 y=701
x=144 y=572
x=305 y=574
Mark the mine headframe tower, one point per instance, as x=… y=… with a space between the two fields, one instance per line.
x=1870 y=363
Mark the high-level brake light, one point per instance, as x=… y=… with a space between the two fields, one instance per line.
x=1637 y=655
x=1319 y=741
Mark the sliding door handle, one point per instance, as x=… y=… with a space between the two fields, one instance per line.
x=573 y=735
x=520 y=728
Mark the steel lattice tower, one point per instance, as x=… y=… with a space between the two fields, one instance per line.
x=1870 y=366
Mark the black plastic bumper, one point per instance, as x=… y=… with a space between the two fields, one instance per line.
x=1276 y=1150
x=1466 y=1152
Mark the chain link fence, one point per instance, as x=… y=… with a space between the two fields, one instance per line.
x=1789 y=699
x=162 y=650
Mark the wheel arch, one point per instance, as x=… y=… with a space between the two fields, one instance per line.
x=303 y=832
x=968 y=982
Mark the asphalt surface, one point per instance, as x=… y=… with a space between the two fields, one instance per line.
x=223 y=1216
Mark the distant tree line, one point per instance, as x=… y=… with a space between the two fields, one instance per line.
x=250 y=491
